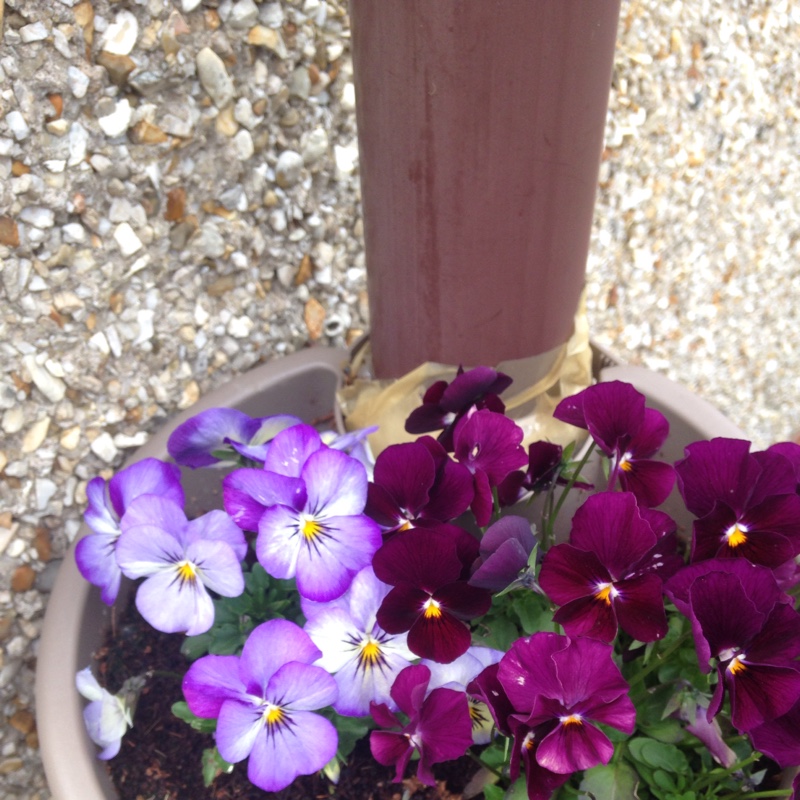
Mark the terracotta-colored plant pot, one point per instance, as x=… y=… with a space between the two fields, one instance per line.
x=303 y=384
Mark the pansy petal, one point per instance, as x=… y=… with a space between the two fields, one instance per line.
x=95 y=556
x=247 y=493
x=209 y=682
x=574 y=746
x=271 y=645
x=290 y=450
x=778 y=738
x=302 y=748
x=172 y=605
x=148 y=476
x=401 y=607
x=217 y=566
x=302 y=687
x=428 y=559
x=761 y=692
x=335 y=482
x=279 y=541
x=640 y=608
x=391 y=748
x=363 y=683
x=193 y=442
x=217 y=525
x=442 y=638
x=406 y=471
x=614 y=411
x=153 y=510
x=462 y=600
x=588 y=616
x=569 y=573
x=650 y=481
x=146 y=549
x=238 y=726
x=99 y=514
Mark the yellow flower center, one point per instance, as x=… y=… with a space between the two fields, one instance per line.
x=310 y=529
x=370 y=653
x=406 y=526
x=186 y=572
x=736 y=535
x=273 y=715
x=625 y=463
x=736 y=666
x=605 y=591
x=431 y=609
x=572 y=719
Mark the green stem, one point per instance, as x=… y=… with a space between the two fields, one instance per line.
x=768 y=793
x=717 y=775
x=659 y=659
x=563 y=497
x=478 y=760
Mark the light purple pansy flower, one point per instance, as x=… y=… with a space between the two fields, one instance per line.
x=264 y=701
x=179 y=560
x=364 y=658
x=95 y=554
x=202 y=439
x=505 y=549
x=107 y=717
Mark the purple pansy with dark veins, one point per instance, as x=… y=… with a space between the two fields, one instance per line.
x=489 y=446
x=445 y=403
x=741 y=618
x=628 y=432
x=559 y=687
x=180 y=560
x=417 y=482
x=611 y=572
x=431 y=598
x=746 y=502
x=307 y=505
x=201 y=440
x=438 y=728
x=264 y=701
x=504 y=552
x=95 y=554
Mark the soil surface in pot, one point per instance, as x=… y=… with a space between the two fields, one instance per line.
x=161 y=755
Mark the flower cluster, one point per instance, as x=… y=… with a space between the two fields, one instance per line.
x=432 y=610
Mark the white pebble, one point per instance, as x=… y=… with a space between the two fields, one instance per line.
x=240 y=327
x=144 y=317
x=51 y=387
x=346 y=158
x=243 y=142
x=288 y=168
x=35 y=32
x=73 y=233
x=127 y=241
x=78 y=82
x=17 y=125
x=214 y=77
x=78 y=141
x=116 y=123
x=103 y=447
x=38 y=216
x=45 y=489
x=121 y=35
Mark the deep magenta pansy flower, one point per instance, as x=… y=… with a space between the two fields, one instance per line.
x=438 y=727
x=628 y=432
x=430 y=598
x=741 y=618
x=561 y=687
x=610 y=573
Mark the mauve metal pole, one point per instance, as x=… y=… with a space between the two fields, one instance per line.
x=480 y=126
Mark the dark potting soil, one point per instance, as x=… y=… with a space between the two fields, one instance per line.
x=160 y=757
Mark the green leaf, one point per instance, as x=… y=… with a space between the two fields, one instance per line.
x=616 y=781
x=658 y=755
x=519 y=791
x=181 y=711
x=533 y=611
x=669 y=731
x=493 y=792
x=214 y=764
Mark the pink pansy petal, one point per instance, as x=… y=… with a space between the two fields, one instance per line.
x=521 y=673
x=383 y=716
x=271 y=645
x=335 y=482
x=651 y=434
x=209 y=682
x=148 y=476
x=760 y=693
x=650 y=481
x=301 y=749
x=401 y=607
x=445 y=725
x=569 y=573
x=573 y=747
x=613 y=411
x=391 y=748
x=175 y=606
x=482 y=499
x=620 y=713
x=588 y=616
x=290 y=450
x=247 y=493
x=302 y=687
x=640 y=608
x=406 y=472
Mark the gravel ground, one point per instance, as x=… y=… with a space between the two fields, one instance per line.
x=179 y=199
